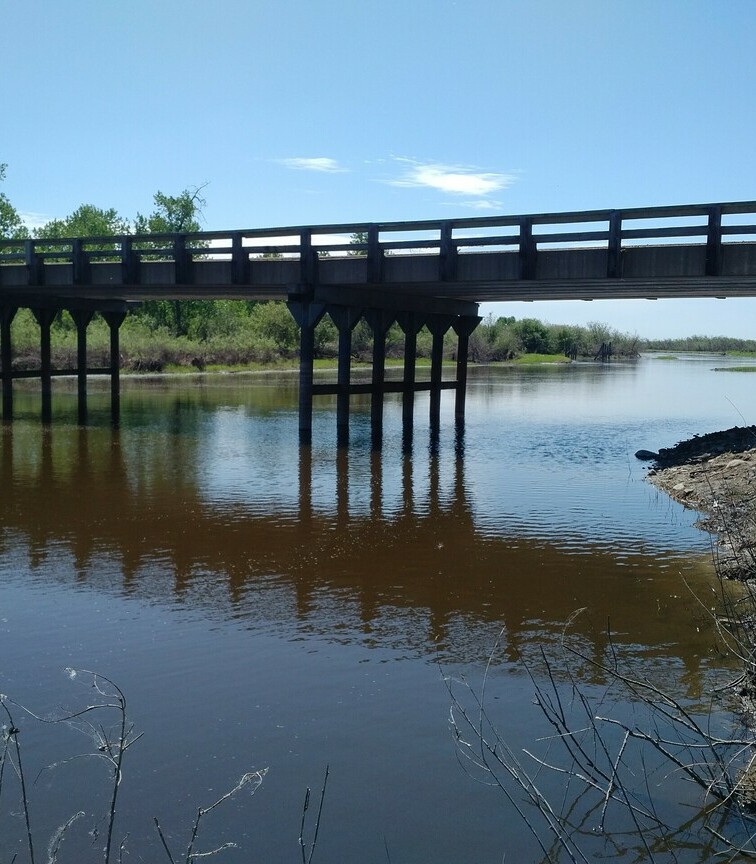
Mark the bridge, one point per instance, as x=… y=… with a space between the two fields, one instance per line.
x=423 y=273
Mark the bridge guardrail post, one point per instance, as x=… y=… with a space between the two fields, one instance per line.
x=307 y=264
x=239 y=260
x=714 y=242
x=80 y=261
x=128 y=261
x=374 y=256
x=614 y=246
x=181 y=260
x=34 y=266
x=447 y=264
x=528 y=249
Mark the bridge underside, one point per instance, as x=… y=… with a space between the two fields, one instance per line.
x=424 y=274
x=345 y=305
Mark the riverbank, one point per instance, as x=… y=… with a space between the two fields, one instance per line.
x=715 y=474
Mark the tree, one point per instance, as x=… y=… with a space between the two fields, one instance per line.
x=358 y=239
x=11 y=224
x=86 y=221
x=173 y=214
x=176 y=214
x=534 y=336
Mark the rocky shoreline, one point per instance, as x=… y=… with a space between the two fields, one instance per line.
x=715 y=474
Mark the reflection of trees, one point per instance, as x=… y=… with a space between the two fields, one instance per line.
x=413 y=573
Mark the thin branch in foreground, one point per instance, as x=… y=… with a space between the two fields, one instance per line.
x=307 y=858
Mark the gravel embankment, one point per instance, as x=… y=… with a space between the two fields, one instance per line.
x=715 y=474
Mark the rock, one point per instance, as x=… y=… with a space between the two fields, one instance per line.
x=646 y=455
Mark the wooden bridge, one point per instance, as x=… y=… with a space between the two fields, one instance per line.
x=426 y=273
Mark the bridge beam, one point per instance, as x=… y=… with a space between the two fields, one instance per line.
x=114 y=321
x=307 y=315
x=379 y=321
x=81 y=319
x=411 y=324
x=44 y=317
x=463 y=327
x=438 y=326
x=345 y=318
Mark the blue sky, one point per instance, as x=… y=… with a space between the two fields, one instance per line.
x=297 y=112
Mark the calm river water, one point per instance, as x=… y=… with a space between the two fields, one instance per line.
x=263 y=606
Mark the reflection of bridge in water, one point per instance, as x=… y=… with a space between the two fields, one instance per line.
x=419 y=274
x=406 y=565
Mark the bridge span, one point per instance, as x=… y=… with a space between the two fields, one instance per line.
x=424 y=273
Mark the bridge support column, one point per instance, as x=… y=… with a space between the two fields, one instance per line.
x=342 y=487
x=81 y=319
x=44 y=318
x=307 y=315
x=411 y=325
x=463 y=327
x=438 y=325
x=114 y=321
x=379 y=321
x=7 y=314
x=345 y=319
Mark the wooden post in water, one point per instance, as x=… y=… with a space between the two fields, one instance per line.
x=411 y=324
x=45 y=317
x=114 y=321
x=307 y=315
x=342 y=488
x=81 y=319
x=379 y=320
x=438 y=325
x=345 y=318
x=6 y=358
x=463 y=327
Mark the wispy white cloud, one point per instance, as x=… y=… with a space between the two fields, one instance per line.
x=34 y=220
x=451 y=179
x=313 y=163
x=481 y=204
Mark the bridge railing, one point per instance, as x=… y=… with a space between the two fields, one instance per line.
x=612 y=230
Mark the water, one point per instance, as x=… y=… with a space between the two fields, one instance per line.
x=262 y=606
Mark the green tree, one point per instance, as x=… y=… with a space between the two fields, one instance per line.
x=86 y=221
x=568 y=340
x=357 y=239
x=176 y=214
x=534 y=336
x=173 y=214
x=273 y=321
x=11 y=224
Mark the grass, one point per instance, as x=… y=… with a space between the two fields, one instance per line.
x=734 y=369
x=528 y=359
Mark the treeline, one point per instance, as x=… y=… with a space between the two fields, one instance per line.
x=244 y=334
x=205 y=333
x=507 y=338
x=170 y=214
x=710 y=344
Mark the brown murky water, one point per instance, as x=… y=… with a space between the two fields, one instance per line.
x=263 y=606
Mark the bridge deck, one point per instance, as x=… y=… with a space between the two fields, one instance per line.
x=704 y=250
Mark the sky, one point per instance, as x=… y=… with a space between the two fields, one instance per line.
x=298 y=112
